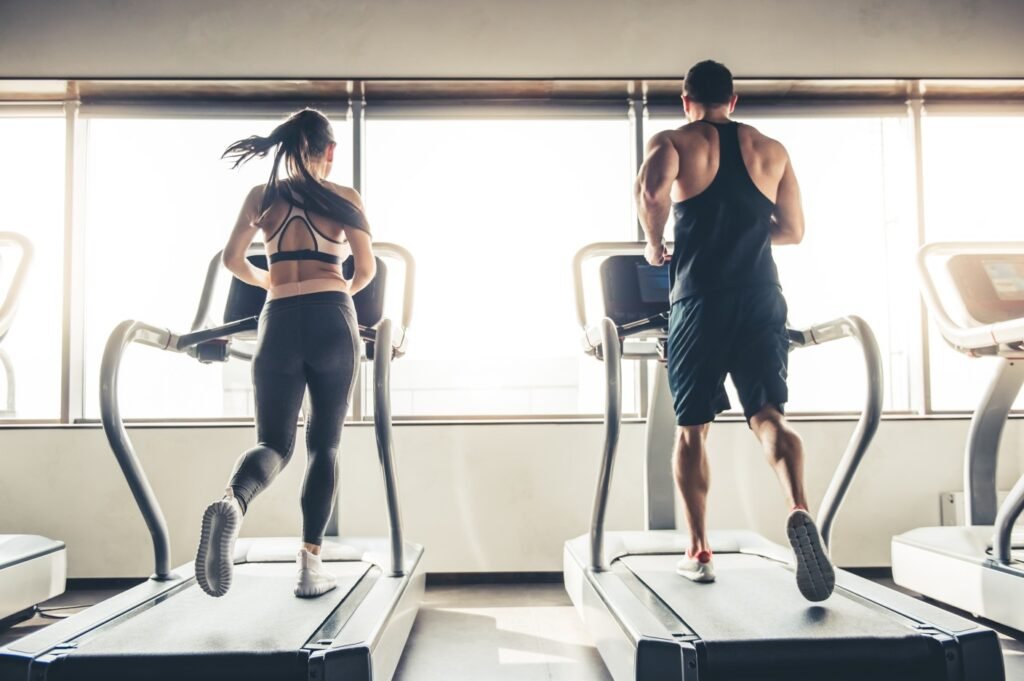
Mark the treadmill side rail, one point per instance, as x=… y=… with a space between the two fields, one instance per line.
x=373 y=639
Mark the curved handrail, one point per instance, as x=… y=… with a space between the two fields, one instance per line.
x=10 y=303
x=856 y=328
x=125 y=333
x=612 y=353
x=10 y=406
x=408 y=293
x=1009 y=511
x=385 y=444
x=957 y=335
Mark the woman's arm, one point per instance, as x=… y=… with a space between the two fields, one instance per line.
x=361 y=244
x=241 y=238
x=362 y=253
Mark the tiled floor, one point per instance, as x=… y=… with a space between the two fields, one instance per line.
x=506 y=632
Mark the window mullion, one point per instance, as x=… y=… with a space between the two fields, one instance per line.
x=73 y=341
x=915 y=109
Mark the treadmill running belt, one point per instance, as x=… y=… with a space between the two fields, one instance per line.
x=259 y=614
x=753 y=618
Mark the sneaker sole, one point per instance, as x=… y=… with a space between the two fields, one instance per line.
x=216 y=542
x=815 y=576
x=698 y=579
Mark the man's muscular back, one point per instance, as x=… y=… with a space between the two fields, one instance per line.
x=696 y=147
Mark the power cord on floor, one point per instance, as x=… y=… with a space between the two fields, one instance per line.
x=45 y=612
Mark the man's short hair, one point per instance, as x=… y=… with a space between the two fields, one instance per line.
x=709 y=83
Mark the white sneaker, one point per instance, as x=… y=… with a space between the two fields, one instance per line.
x=313 y=579
x=215 y=557
x=815 y=576
x=699 y=568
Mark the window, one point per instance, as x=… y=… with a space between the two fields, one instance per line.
x=493 y=208
x=160 y=204
x=972 y=183
x=32 y=181
x=856 y=179
x=493 y=211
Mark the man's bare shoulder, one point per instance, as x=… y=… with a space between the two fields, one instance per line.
x=762 y=143
x=683 y=138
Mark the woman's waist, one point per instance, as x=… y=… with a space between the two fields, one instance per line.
x=304 y=287
x=300 y=296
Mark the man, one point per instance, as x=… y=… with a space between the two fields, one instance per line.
x=733 y=195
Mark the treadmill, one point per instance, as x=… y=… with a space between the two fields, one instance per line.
x=167 y=628
x=650 y=624
x=975 y=294
x=9 y=307
x=32 y=568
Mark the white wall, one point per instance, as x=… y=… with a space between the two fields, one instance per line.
x=502 y=38
x=480 y=497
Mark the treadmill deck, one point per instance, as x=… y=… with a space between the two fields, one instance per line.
x=259 y=612
x=754 y=599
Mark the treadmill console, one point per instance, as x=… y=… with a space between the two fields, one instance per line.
x=990 y=285
x=633 y=289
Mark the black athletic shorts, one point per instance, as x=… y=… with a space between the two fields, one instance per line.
x=740 y=332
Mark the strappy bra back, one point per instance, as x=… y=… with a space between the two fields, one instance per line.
x=325 y=249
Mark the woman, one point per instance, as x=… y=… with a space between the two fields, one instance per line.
x=308 y=337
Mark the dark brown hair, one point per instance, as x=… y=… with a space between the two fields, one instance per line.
x=709 y=83
x=303 y=135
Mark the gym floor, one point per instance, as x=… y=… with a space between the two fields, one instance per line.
x=491 y=632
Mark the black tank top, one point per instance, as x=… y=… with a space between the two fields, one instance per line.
x=723 y=235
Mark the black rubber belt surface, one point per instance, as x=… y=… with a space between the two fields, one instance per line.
x=754 y=616
x=260 y=614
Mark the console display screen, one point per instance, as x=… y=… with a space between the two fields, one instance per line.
x=653 y=283
x=1007 y=277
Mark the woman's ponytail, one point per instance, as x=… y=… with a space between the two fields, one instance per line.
x=304 y=134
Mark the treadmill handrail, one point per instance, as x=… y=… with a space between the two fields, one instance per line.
x=966 y=338
x=124 y=334
x=385 y=445
x=856 y=328
x=611 y=351
x=13 y=296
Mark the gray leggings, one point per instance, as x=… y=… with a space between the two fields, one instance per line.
x=312 y=341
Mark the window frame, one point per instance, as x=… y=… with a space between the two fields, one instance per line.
x=640 y=110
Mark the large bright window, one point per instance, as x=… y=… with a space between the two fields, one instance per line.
x=493 y=211
x=159 y=205
x=972 y=182
x=856 y=178
x=32 y=195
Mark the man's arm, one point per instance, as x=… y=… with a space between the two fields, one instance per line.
x=652 y=191
x=788 y=225
x=241 y=237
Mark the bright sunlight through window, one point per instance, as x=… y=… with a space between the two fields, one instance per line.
x=32 y=178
